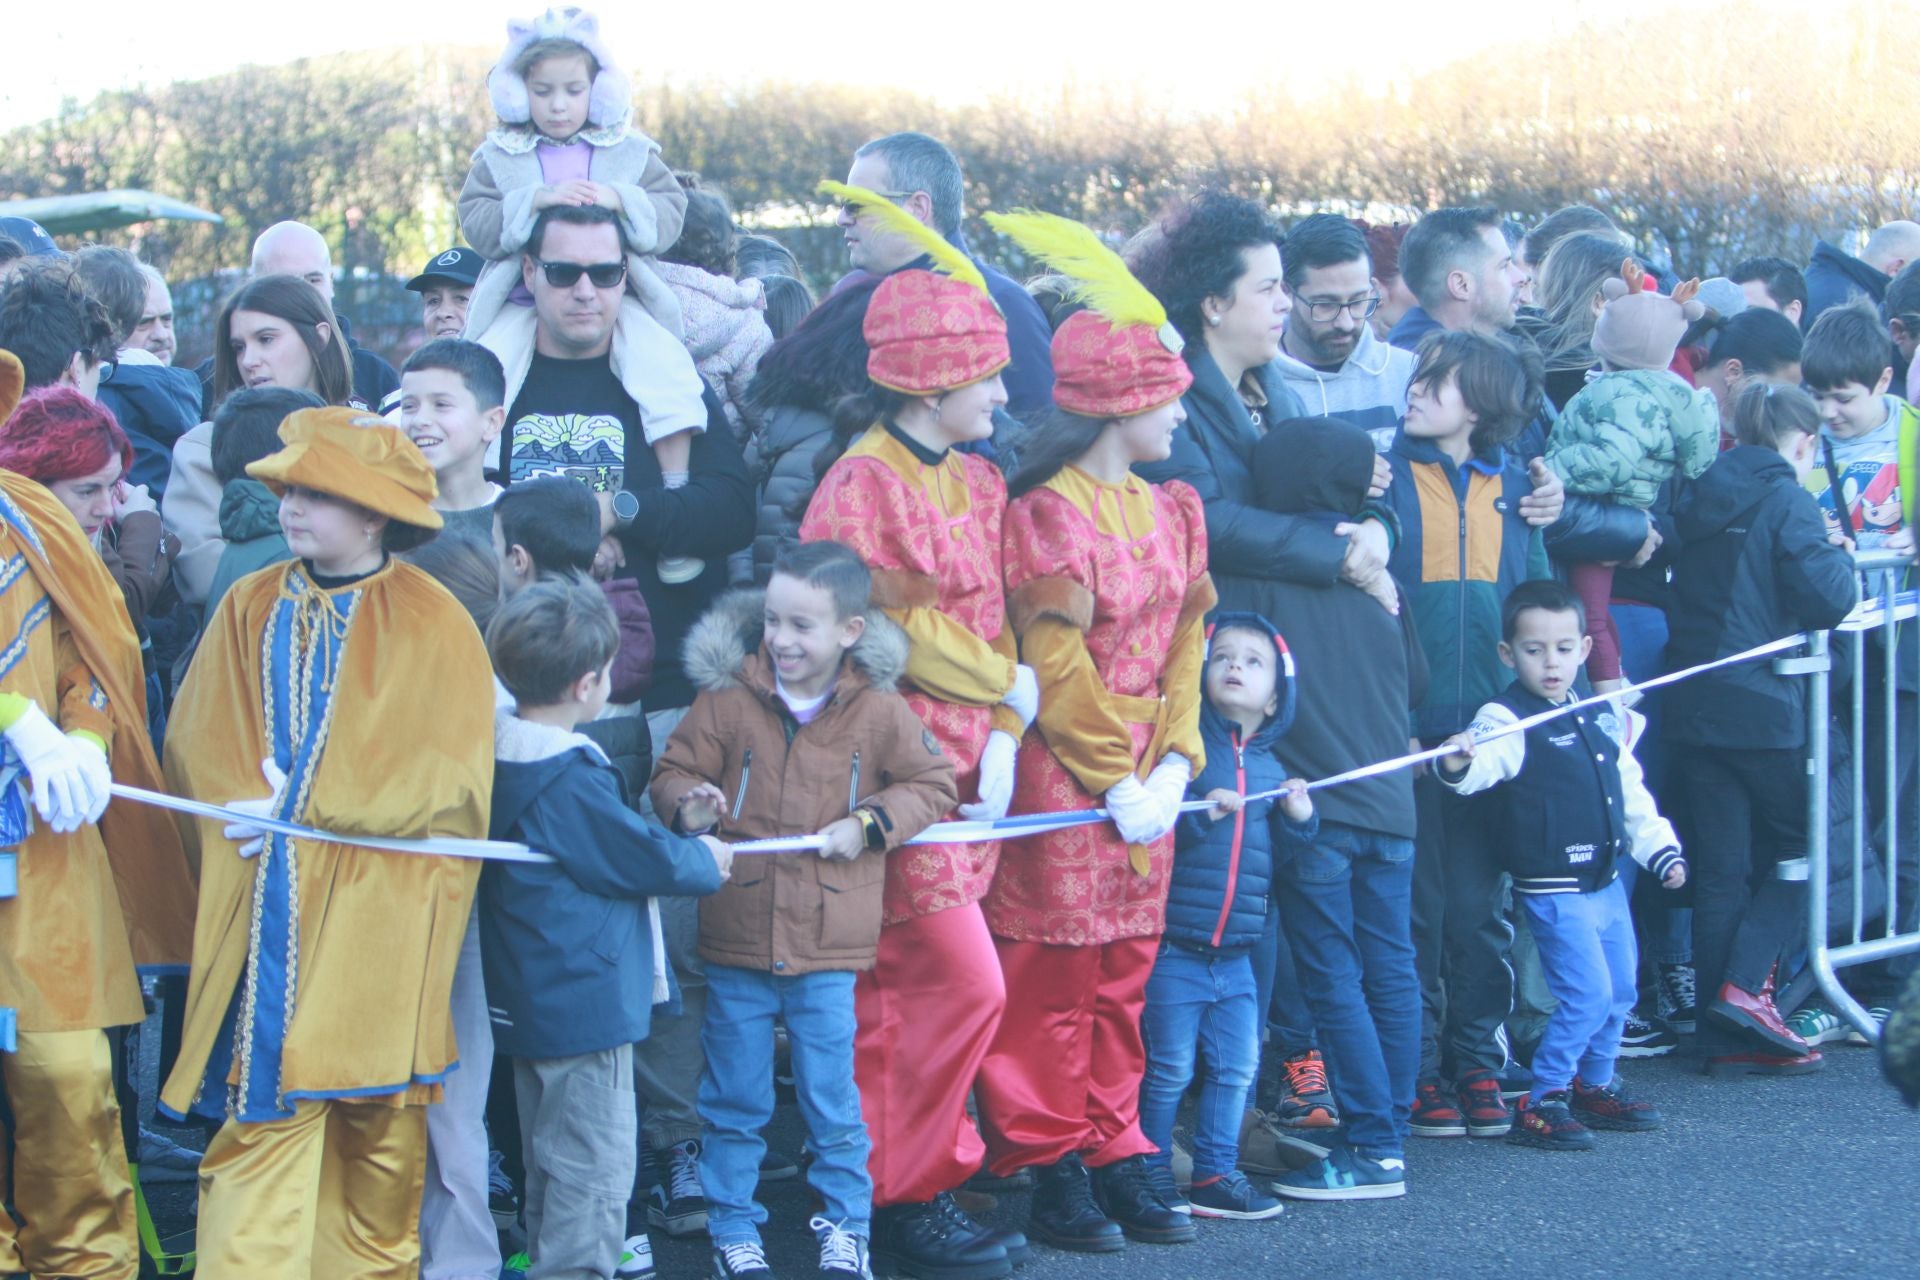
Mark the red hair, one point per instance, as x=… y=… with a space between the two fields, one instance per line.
x=59 y=434
x=1383 y=246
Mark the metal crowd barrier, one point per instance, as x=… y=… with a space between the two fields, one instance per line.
x=1864 y=937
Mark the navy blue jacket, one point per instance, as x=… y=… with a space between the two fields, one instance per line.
x=567 y=947
x=155 y=404
x=1834 y=276
x=1223 y=871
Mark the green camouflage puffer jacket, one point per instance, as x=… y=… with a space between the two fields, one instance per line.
x=1626 y=432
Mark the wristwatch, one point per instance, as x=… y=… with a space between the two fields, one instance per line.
x=626 y=506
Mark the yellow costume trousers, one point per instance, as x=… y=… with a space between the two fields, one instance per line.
x=331 y=1194
x=62 y=1161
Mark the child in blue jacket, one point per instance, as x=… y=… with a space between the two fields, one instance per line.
x=572 y=949
x=1202 y=991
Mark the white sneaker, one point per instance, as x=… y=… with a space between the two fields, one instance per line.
x=841 y=1252
x=636 y=1259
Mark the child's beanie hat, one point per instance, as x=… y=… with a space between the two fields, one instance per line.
x=1638 y=328
x=610 y=105
x=1285 y=696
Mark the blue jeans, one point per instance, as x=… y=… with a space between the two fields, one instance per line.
x=1282 y=1004
x=1349 y=906
x=1588 y=955
x=1208 y=1002
x=1643 y=655
x=736 y=1095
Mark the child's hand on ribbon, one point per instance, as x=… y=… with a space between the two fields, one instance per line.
x=700 y=808
x=843 y=841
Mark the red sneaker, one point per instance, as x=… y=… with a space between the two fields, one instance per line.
x=1757 y=1019
x=1488 y=1115
x=1608 y=1106
x=1435 y=1115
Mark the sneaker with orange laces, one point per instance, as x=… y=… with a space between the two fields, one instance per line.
x=1487 y=1113
x=1305 y=1100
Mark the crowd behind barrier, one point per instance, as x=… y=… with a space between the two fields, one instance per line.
x=1371 y=679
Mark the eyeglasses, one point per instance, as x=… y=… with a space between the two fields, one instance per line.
x=1326 y=310
x=565 y=275
x=895 y=196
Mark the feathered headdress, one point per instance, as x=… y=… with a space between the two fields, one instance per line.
x=1119 y=357
x=947 y=259
x=1098 y=277
x=928 y=331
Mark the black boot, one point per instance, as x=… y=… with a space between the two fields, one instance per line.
x=932 y=1241
x=1126 y=1194
x=1064 y=1214
x=1019 y=1252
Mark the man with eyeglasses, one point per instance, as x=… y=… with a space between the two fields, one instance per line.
x=920 y=175
x=1329 y=354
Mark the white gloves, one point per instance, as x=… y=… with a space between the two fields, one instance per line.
x=996 y=776
x=1024 y=697
x=253 y=839
x=1167 y=784
x=1139 y=817
x=71 y=780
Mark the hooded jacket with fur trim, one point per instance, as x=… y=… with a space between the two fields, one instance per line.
x=865 y=749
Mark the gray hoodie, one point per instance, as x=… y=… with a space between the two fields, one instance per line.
x=1369 y=390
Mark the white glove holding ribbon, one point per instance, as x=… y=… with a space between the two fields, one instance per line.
x=1137 y=815
x=996 y=779
x=71 y=781
x=1024 y=697
x=253 y=839
x=1167 y=784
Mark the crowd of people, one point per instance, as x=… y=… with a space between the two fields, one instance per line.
x=646 y=554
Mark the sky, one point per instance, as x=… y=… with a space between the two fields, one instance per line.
x=951 y=52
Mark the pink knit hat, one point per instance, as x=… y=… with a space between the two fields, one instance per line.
x=1639 y=329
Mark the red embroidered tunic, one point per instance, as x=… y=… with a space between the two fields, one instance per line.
x=1108 y=588
x=931 y=534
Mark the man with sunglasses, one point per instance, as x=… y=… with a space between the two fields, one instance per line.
x=1329 y=354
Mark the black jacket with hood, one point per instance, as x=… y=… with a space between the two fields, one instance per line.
x=1359 y=669
x=1755 y=565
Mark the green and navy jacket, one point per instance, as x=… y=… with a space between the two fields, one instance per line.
x=1463 y=546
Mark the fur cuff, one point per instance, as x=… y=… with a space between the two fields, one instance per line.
x=1059 y=598
x=904 y=589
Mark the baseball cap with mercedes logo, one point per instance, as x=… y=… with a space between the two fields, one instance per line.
x=459 y=265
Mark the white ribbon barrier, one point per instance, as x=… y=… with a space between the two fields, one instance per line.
x=1870 y=614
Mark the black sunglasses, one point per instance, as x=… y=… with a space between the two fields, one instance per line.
x=565 y=275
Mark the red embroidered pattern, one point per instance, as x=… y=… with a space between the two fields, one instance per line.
x=865 y=504
x=1076 y=887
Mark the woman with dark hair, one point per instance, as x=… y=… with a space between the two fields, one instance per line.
x=1569 y=295
x=1107 y=589
x=926 y=517
x=276 y=331
x=1215 y=264
x=1756 y=345
x=356 y=692
x=800 y=380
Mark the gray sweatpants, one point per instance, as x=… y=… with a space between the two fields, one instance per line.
x=668 y=1063
x=577 y=1126
x=457 y=1236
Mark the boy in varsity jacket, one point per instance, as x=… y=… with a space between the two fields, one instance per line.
x=1573 y=802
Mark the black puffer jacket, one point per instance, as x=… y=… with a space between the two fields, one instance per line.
x=781 y=462
x=1755 y=566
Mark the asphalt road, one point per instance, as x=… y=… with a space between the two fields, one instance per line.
x=1810 y=1177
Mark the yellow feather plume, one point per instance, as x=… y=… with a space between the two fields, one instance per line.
x=1099 y=275
x=946 y=258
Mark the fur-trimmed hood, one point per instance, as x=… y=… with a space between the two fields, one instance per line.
x=730 y=632
x=610 y=104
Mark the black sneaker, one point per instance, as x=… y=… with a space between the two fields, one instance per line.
x=775 y=1167
x=1064 y=1213
x=745 y=1260
x=1231 y=1196
x=936 y=1241
x=677 y=1205
x=843 y=1255
x=503 y=1198
x=1607 y=1106
x=1126 y=1194
x=1675 y=998
x=1549 y=1125
x=1647 y=1037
